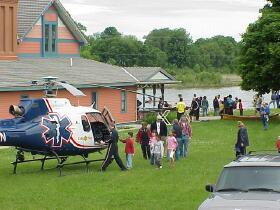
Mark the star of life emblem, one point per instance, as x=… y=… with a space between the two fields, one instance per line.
x=56 y=129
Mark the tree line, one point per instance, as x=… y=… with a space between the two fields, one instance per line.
x=256 y=57
x=167 y=48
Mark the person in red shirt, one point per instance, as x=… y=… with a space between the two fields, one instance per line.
x=240 y=107
x=129 y=149
x=143 y=137
x=278 y=144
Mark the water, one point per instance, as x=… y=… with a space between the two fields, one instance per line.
x=171 y=95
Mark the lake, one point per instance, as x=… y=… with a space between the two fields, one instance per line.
x=171 y=95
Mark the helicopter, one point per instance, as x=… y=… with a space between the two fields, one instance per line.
x=54 y=129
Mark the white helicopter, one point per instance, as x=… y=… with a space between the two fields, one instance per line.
x=52 y=127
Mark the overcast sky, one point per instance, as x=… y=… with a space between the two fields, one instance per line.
x=201 y=18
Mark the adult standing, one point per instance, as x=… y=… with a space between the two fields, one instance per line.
x=160 y=127
x=273 y=99
x=230 y=105
x=143 y=137
x=242 y=139
x=180 y=107
x=177 y=129
x=194 y=108
x=186 y=136
x=113 y=150
x=204 y=105
x=277 y=99
x=264 y=114
x=258 y=103
x=216 y=106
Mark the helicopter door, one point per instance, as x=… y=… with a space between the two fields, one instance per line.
x=107 y=116
x=86 y=136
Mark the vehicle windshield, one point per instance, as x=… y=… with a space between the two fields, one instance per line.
x=255 y=178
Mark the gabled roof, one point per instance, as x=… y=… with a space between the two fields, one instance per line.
x=151 y=75
x=29 y=12
x=83 y=72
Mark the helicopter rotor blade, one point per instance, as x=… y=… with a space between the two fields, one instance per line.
x=73 y=90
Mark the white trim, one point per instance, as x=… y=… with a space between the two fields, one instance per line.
x=130 y=75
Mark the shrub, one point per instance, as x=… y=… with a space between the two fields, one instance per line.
x=150 y=118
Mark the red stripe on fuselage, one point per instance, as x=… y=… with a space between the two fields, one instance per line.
x=48 y=105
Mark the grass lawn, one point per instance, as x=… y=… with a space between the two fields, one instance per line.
x=143 y=187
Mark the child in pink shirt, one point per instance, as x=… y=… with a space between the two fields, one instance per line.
x=171 y=146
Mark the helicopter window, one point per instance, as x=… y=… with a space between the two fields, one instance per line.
x=85 y=123
x=99 y=129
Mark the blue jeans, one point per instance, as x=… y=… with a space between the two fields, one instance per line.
x=152 y=161
x=129 y=160
x=204 y=112
x=177 y=152
x=265 y=121
x=184 y=146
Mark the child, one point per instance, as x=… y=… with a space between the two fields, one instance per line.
x=129 y=149
x=158 y=151
x=240 y=106
x=171 y=146
x=278 y=144
x=153 y=140
x=143 y=137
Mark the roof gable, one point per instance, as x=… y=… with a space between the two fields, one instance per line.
x=30 y=11
x=159 y=76
x=151 y=75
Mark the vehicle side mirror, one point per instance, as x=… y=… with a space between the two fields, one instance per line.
x=209 y=188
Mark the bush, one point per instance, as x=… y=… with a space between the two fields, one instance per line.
x=150 y=118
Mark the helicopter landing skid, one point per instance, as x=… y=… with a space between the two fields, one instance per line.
x=60 y=161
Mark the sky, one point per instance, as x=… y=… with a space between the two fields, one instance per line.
x=201 y=18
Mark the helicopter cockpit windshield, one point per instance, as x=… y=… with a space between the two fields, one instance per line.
x=99 y=129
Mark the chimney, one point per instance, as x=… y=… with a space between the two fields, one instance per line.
x=8 y=29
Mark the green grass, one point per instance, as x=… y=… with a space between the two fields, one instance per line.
x=143 y=187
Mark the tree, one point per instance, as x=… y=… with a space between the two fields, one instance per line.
x=260 y=51
x=175 y=43
x=111 y=47
x=218 y=52
x=110 y=32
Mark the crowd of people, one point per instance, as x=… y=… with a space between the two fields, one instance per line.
x=200 y=106
x=155 y=141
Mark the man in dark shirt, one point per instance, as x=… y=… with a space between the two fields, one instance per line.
x=113 y=151
x=216 y=106
x=242 y=140
x=177 y=129
x=160 y=127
